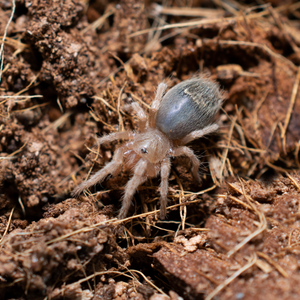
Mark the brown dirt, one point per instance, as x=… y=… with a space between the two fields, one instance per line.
x=67 y=66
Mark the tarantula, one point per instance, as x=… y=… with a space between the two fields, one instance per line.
x=183 y=114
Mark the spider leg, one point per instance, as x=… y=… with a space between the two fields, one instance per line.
x=140 y=113
x=156 y=102
x=132 y=185
x=112 y=167
x=115 y=136
x=164 y=174
x=199 y=133
x=191 y=155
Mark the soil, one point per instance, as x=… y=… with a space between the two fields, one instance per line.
x=69 y=67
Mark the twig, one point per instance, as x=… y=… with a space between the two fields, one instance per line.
x=121 y=124
x=21 y=97
x=95 y=159
x=186 y=11
x=15 y=152
x=7 y=226
x=32 y=107
x=104 y=102
x=83 y=270
x=226 y=6
x=252 y=44
x=81 y=230
x=228 y=144
x=100 y=21
x=198 y=23
x=273 y=263
x=119 y=273
x=293 y=181
x=240 y=202
x=4 y=37
x=140 y=100
x=262 y=225
x=258 y=106
x=13 y=43
x=292 y=102
x=60 y=121
x=277 y=168
x=183 y=210
x=232 y=277
x=22 y=205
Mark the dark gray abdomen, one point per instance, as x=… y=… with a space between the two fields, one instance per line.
x=191 y=105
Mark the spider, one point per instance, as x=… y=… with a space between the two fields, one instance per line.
x=181 y=115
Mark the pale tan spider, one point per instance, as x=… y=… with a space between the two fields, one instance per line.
x=183 y=114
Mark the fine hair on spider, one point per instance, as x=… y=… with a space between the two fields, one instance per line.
x=185 y=113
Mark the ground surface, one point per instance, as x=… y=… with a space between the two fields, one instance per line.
x=69 y=67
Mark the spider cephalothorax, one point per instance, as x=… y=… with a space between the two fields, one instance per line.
x=183 y=114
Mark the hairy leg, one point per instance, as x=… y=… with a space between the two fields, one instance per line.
x=155 y=104
x=132 y=185
x=195 y=161
x=139 y=112
x=199 y=133
x=112 y=167
x=115 y=136
x=164 y=174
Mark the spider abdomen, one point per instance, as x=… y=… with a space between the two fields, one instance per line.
x=190 y=105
